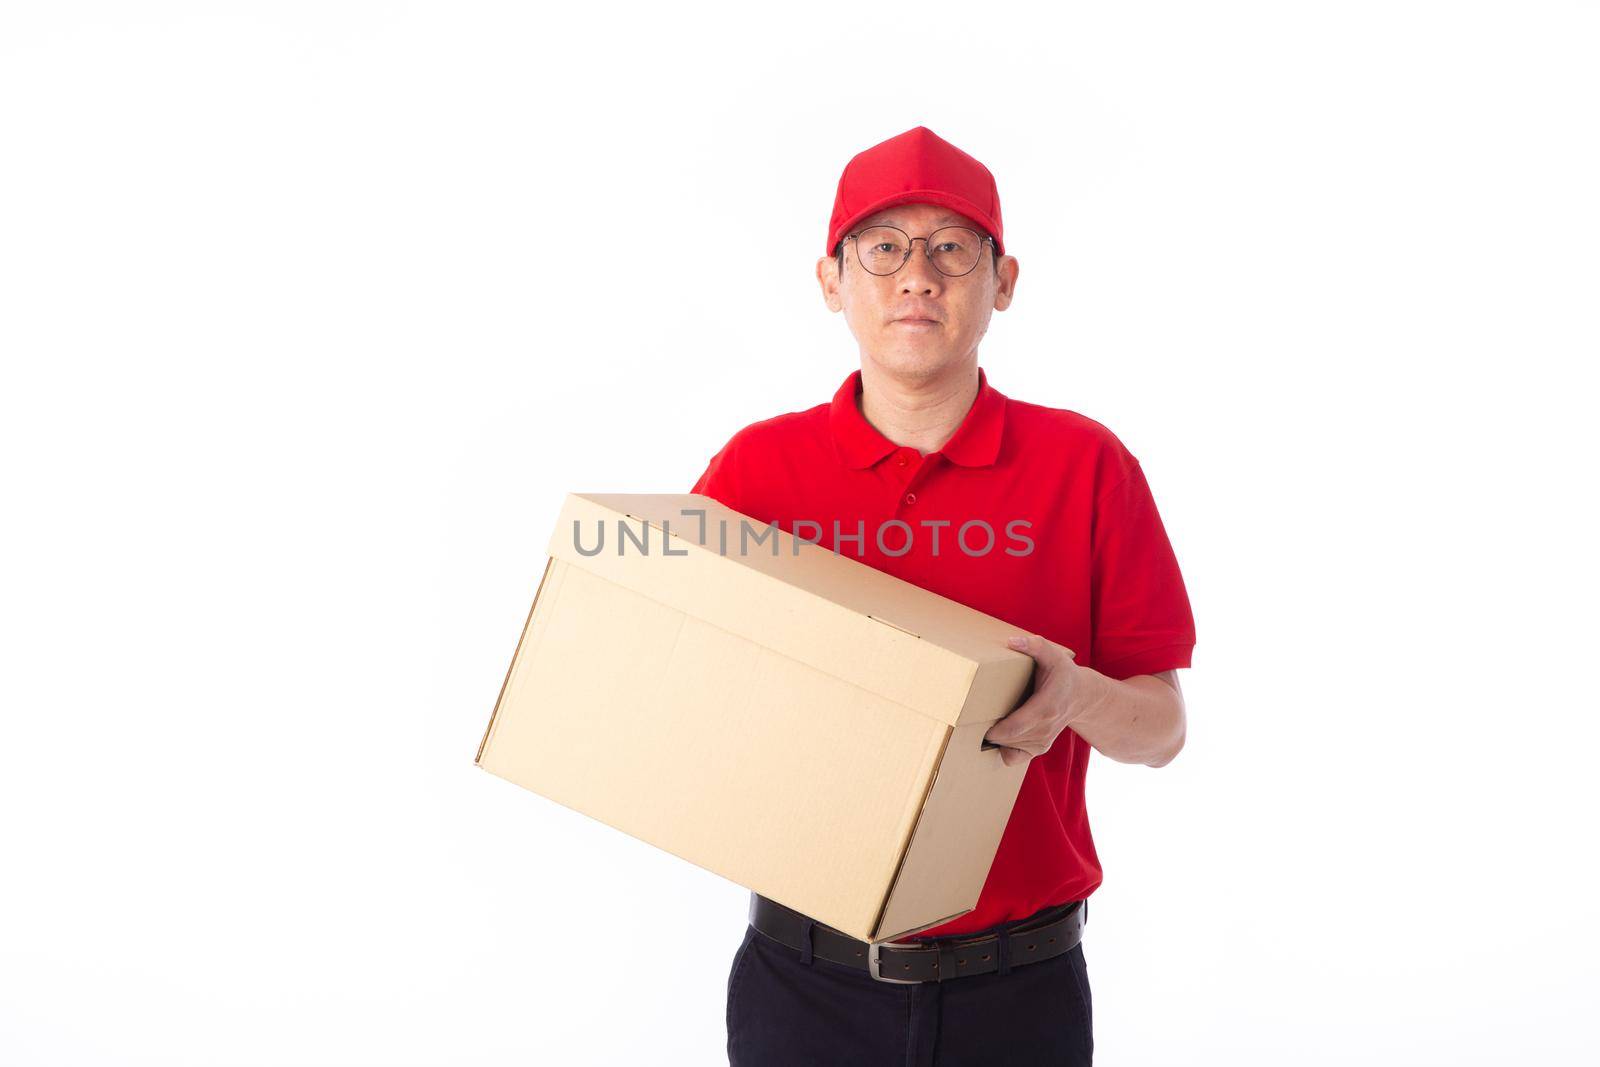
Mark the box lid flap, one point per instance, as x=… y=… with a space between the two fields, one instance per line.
x=877 y=631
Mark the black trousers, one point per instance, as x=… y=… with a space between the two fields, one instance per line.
x=783 y=1012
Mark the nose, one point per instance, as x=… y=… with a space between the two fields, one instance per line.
x=919 y=275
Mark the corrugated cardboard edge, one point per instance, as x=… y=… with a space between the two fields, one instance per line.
x=526 y=627
x=998 y=681
x=922 y=806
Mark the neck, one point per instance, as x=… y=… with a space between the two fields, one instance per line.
x=920 y=413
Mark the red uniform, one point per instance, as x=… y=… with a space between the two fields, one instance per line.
x=1035 y=515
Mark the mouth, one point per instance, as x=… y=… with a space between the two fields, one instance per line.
x=916 y=321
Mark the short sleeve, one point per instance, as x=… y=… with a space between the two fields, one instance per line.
x=718 y=481
x=1140 y=622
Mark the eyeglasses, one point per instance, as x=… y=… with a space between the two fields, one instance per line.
x=953 y=250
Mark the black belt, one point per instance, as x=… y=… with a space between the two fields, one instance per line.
x=1038 y=937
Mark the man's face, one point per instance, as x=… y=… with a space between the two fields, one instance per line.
x=918 y=323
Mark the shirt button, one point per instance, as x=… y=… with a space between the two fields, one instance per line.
x=901 y=461
x=911 y=498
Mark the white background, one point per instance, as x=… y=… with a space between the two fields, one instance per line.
x=311 y=313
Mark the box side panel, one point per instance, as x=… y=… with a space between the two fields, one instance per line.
x=956 y=837
x=998 y=688
x=709 y=746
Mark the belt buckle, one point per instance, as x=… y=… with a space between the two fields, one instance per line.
x=875 y=962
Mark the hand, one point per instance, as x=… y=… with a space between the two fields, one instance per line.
x=1033 y=727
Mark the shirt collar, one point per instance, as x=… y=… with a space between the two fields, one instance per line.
x=976 y=442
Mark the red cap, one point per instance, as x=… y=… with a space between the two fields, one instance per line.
x=919 y=167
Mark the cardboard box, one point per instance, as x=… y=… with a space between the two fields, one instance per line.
x=785 y=716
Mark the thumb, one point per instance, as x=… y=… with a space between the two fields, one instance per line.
x=1039 y=648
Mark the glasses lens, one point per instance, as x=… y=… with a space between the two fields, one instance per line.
x=881 y=249
x=955 y=249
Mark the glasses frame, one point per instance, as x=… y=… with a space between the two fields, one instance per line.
x=911 y=246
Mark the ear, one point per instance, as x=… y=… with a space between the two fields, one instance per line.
x=1005 y=286
x=828 y=278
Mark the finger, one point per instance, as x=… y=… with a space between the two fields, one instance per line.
x=1023 y=720
x=1032 y=743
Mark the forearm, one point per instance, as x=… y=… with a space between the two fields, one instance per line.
x=1140 y=720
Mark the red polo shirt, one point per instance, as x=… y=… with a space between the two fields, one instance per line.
x=1100 y=577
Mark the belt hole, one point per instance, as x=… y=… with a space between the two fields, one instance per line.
x=1030 y=948
x=905 y=966
x=1050 y=941
x=984 y=956
x=961 y=963
x=858 y=952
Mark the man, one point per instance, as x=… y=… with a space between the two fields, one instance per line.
x=916 y=262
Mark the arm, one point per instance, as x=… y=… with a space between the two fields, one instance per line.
x=1140 y=720
x=1137 y=606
